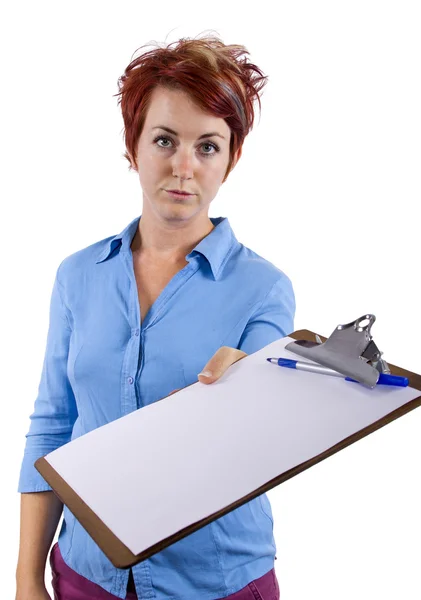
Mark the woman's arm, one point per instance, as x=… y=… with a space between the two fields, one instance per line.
x=272 y=320
x=52 y=422
x=40 y=514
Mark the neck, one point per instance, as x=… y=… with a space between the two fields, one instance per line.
x=168 y=240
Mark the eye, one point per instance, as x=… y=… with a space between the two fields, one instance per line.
x=209 y=144
x=160 y=138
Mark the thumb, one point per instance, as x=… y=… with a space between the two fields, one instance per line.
x=223 y=358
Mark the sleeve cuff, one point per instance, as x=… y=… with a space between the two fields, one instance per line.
x=30 y=480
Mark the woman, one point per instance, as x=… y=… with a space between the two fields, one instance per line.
x=136 y=316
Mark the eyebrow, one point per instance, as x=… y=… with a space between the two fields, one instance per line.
x=205 y=135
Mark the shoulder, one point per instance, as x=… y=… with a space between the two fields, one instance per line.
x=253 y=267
x=82 y=260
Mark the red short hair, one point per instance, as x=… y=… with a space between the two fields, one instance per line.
x=214 y=75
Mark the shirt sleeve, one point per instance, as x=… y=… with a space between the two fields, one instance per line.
x=55 y=407
x=272 y=320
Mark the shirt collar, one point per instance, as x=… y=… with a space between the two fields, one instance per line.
x=215 y=247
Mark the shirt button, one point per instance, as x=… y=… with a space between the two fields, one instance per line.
x=130 y=380
x=136 y=332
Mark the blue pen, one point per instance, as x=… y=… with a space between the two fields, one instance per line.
x=384 y=378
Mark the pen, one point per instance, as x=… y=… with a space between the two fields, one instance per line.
x=384 y=378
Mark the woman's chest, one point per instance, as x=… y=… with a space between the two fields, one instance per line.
x=109 y=351
x=151 y=280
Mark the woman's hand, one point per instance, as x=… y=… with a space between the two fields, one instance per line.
x=218 y=364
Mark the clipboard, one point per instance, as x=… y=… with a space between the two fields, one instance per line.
x=119 y=553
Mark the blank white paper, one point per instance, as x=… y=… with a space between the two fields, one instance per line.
x=167 y=465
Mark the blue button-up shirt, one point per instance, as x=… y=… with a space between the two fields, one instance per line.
x=101 y=362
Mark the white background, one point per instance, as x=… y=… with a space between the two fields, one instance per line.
x=328 y=188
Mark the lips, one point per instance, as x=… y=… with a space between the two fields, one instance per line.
x=176 y=196
x=179 y=192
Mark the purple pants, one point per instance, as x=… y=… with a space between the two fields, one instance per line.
x=69 y=585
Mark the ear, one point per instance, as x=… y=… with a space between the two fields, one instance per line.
x=237 y=156
x=132 y=161
x=234 y=162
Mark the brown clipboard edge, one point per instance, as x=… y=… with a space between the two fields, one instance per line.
x=122 y=557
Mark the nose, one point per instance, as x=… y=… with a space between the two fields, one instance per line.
x=182 y=164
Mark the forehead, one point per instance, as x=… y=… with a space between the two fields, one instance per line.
x=177 y=110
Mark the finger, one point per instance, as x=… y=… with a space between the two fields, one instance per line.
x=223 y=358
x=174 y=391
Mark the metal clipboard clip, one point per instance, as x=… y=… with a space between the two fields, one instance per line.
x=350 y=350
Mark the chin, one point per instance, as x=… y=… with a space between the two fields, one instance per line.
x=180 y=211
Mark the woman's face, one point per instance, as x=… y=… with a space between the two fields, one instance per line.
x=183 y=160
